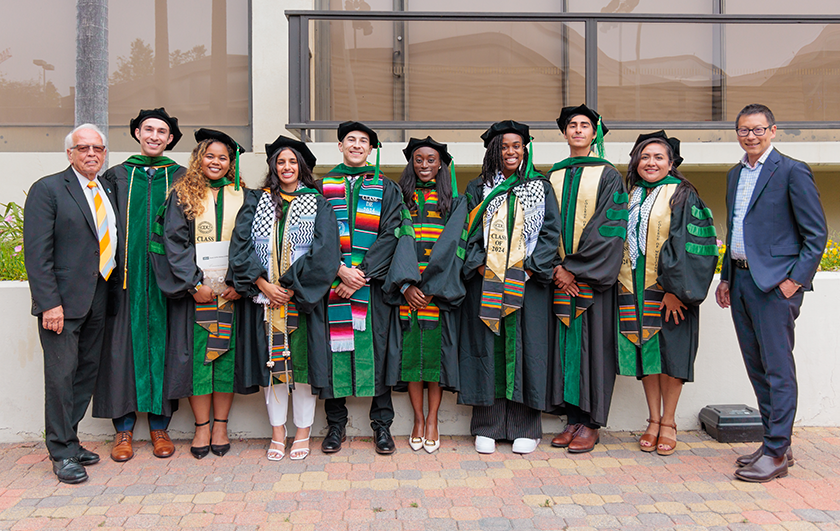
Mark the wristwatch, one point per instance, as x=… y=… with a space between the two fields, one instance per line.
x=195 y=289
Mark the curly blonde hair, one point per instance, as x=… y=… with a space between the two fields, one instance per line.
x=192 y=187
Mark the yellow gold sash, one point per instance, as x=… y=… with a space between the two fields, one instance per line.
x=659 y=227
x=587 y=198
x=205 y=223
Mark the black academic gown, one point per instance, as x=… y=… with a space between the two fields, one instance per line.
x=390 y=260
x=688 y=276
x=310 y=277
x=176 y=272
x=443 y=281
x=476 y=340
x=116 y=384
x=597 y=263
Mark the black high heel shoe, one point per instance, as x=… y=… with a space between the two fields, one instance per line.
x=219 y=449
x=200 y=451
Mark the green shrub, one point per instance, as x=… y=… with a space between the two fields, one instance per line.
x=11 y=243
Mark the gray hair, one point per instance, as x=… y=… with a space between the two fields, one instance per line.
x=68 y=140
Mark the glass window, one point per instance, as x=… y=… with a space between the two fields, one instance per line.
x=37 y=76
x=191 y=58
x=696 y=7
x=445 y=71
x=782 y=7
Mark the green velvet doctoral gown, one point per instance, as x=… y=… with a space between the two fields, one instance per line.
x=309 y=277
x=430 y=349
x=532 y=345
x=686 y=266
x=391 y=261
x=583 y=364
x=176 y=272
x=132 y=371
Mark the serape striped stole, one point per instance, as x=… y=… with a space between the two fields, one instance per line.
x=217 y=316
x=428 y=226
x=358 y=208
x=639 y=294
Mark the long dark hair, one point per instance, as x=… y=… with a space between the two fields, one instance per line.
x=633 y=172
x=272 y=180
x=443 y=185
x=493 y=161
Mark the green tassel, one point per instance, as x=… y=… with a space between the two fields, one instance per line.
x=599 y=139
x=236 y=179
x=376 y=178
x=454 y=179
x=529 y=171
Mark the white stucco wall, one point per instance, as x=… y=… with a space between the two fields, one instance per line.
x=720 y=378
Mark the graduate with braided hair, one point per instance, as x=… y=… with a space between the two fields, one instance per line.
x=511 y=244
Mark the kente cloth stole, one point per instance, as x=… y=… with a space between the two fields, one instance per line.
x=503 y=286
x=577 y=190
x=358 y=207
x=217 y=316
x=428 y=226
x=639 y=295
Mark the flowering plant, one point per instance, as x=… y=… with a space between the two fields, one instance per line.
x=11 y=243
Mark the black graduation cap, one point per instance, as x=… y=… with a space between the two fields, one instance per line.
x=345 y=128
x=507 y=126
x=297 y=145
x=161 y=114
x=672 y=141
x=212 y=134
x=567 y=113
x=415 y=143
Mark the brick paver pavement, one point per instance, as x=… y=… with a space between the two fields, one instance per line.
x=615 y=486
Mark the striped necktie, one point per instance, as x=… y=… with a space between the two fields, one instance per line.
x=106 y=246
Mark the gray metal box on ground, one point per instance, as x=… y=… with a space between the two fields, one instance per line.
x=732 y=423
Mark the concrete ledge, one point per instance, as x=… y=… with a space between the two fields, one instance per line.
x=720 y=378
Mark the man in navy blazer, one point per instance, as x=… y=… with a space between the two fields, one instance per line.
x=65 y=217
x=776 y=234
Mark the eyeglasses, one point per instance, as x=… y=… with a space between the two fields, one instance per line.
x=83 y=148
x=758 y=131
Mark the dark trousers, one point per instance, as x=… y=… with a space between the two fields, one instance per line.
x=71 y=363
x=764 y=324
x=127 y=422
x=506 y=420
x=575 y=415
x=381 y=411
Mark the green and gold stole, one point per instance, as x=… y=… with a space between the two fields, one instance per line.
x=639 y=294
x=576 y=189
x=215 y=223
x=503 y=286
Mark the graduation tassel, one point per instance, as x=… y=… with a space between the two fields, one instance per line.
x=236 y=178
x=529 y=171
x=599 y=139
x=454 y=182
x=376 y=171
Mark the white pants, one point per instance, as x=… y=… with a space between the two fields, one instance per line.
x=303 y=405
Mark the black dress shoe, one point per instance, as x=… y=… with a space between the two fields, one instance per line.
x=749 y=459
x=384 y=442
x=764 y=469
x=332 y=442
x=86 y=457
x=200 y=452
x=69 y=471
x=219 y=449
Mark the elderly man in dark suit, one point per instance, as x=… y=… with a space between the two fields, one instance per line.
x=70 y=238
x=776 y=234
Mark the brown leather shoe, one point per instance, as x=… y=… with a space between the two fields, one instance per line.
x=122 y=450
x=566 y=436
x=163 y=444
x=764 y=469
x=748 y=459
x=585 y=440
